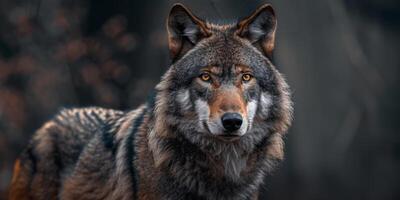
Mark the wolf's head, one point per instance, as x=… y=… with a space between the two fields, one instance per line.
x=222 y=86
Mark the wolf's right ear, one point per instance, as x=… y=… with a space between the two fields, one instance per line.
x=185 y=30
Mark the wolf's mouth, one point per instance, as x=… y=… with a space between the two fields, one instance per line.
x=228 y=137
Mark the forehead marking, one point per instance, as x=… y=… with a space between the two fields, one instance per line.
x=212 y=69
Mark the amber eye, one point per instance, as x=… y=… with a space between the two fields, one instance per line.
x=205 y=77
x=247 y=77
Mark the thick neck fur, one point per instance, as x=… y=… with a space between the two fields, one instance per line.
x=203 y=166
x=194 y=163
x=214 y=173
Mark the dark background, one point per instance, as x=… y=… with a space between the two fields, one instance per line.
x=341 y=59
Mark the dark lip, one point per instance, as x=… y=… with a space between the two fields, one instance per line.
x=228 y=137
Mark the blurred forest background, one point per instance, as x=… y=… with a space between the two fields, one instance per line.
x=341 y=59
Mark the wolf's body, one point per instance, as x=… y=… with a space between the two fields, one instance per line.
x=213 y=130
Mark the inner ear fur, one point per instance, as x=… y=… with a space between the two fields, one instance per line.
x=259 y=28
x=185 y=30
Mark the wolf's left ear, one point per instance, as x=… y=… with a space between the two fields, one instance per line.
x=259 y=28
x=185 y=30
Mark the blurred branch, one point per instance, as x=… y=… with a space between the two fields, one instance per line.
x=347 y=131
x=353 y=47
x=39 y=4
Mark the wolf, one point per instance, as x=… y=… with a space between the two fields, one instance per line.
x=213 y=129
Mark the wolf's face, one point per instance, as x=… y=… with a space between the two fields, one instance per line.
x=225 y=100
x=222 y=84
x=224 y=88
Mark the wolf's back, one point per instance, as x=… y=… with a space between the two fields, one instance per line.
x=55 y=149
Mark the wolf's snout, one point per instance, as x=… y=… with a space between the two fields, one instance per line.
x=232 y=121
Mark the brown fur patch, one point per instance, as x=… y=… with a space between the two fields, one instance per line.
x=19 y=183
x=17 y=169
x=226 y=100
x=275 y=148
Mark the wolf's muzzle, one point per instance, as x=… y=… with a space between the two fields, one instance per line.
x=232 y=121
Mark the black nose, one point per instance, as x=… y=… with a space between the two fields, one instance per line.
x=231 y=121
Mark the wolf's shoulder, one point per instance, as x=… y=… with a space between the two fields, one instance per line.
x=90 y=112
x=87 y=117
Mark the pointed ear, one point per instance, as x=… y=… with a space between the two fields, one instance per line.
x=185 y=30
x=259 y=28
